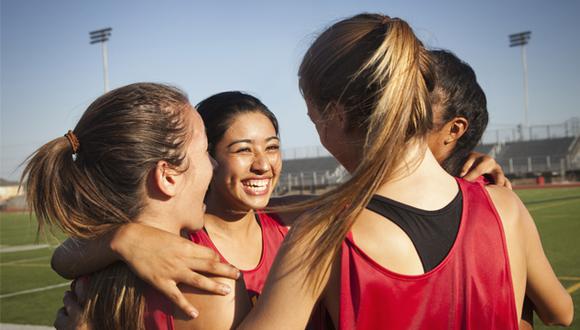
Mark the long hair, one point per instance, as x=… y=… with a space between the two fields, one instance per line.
x=90 y=188
x=377 y=69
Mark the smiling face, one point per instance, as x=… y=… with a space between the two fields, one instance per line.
x=249 y=163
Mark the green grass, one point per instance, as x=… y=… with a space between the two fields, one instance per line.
x=556 y=212
x=557 y=216
x=27 y=270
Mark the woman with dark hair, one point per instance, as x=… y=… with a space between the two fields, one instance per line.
x=459 y=111
x=244 y=140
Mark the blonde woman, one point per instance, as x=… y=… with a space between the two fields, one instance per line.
x=364 y=249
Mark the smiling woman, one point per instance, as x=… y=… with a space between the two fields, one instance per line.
x=243 y=140
x=249 y=163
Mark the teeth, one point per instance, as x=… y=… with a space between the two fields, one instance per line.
x=257 y=186
x=262 y=184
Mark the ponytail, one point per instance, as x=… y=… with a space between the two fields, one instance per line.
x=377 y=69
x=92 y=180
x=58 y=192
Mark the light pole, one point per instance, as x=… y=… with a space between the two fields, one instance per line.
x=521 y=39
x=102 y=36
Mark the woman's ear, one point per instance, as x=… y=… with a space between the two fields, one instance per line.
x=455 y=129
x=166 y=178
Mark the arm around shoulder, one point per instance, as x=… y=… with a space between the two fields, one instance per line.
x=552 y=302
x=75 y=257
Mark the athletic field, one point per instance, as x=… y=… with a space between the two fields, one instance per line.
x=30 y=293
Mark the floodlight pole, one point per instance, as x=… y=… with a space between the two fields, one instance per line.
x=102 y=36
x=105 y=65
x=521 y=39
x=525 y=64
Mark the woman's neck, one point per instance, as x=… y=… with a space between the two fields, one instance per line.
x=159 y=219
x=420 y=181
x=230 y=222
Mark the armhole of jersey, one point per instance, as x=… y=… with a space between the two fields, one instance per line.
x=504 y=248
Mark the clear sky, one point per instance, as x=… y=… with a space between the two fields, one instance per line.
x=50 y=73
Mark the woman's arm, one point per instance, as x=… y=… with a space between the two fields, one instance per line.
x=159 y=258
x=478 y=164
x=286 y=302
x=552 y=302
x=75 y=257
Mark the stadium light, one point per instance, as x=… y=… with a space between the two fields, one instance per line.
x=516 y=40
x=102 y=36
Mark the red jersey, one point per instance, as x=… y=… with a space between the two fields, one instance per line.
x=159 y=310
x=273 y=233
x=470 y=289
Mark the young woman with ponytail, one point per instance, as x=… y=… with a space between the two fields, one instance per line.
x=402 y=244
x=138 y=152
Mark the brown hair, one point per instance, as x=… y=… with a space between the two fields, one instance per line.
x=121 y=137
x=377 y=69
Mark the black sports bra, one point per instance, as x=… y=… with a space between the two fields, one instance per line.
x=432 y=232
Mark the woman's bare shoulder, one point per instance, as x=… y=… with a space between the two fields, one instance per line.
x=513 y=215
x=506 y=202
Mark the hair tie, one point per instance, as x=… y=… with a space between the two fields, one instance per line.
x=74 y=143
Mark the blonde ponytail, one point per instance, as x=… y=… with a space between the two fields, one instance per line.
x=377 y=69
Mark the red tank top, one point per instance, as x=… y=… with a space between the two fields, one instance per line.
x=470 y=289
x=159 y=310
x=273 y=233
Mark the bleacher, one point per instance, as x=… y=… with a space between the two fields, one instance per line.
x=546 y=155
x=521 y=158
x=308 y=172
x=319 y=164
x=486 y=149
x=545 y=147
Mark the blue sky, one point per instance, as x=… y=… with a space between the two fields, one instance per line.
x=50 y=73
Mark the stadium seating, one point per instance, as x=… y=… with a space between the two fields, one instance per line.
x=519 y=158
x=537 y=155
x=486 y=149
x=309 y=174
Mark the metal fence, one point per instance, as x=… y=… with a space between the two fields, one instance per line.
x=307 y=181
x=560 y=164
x=305 y=152
x=569 y=128
x=310 y=182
